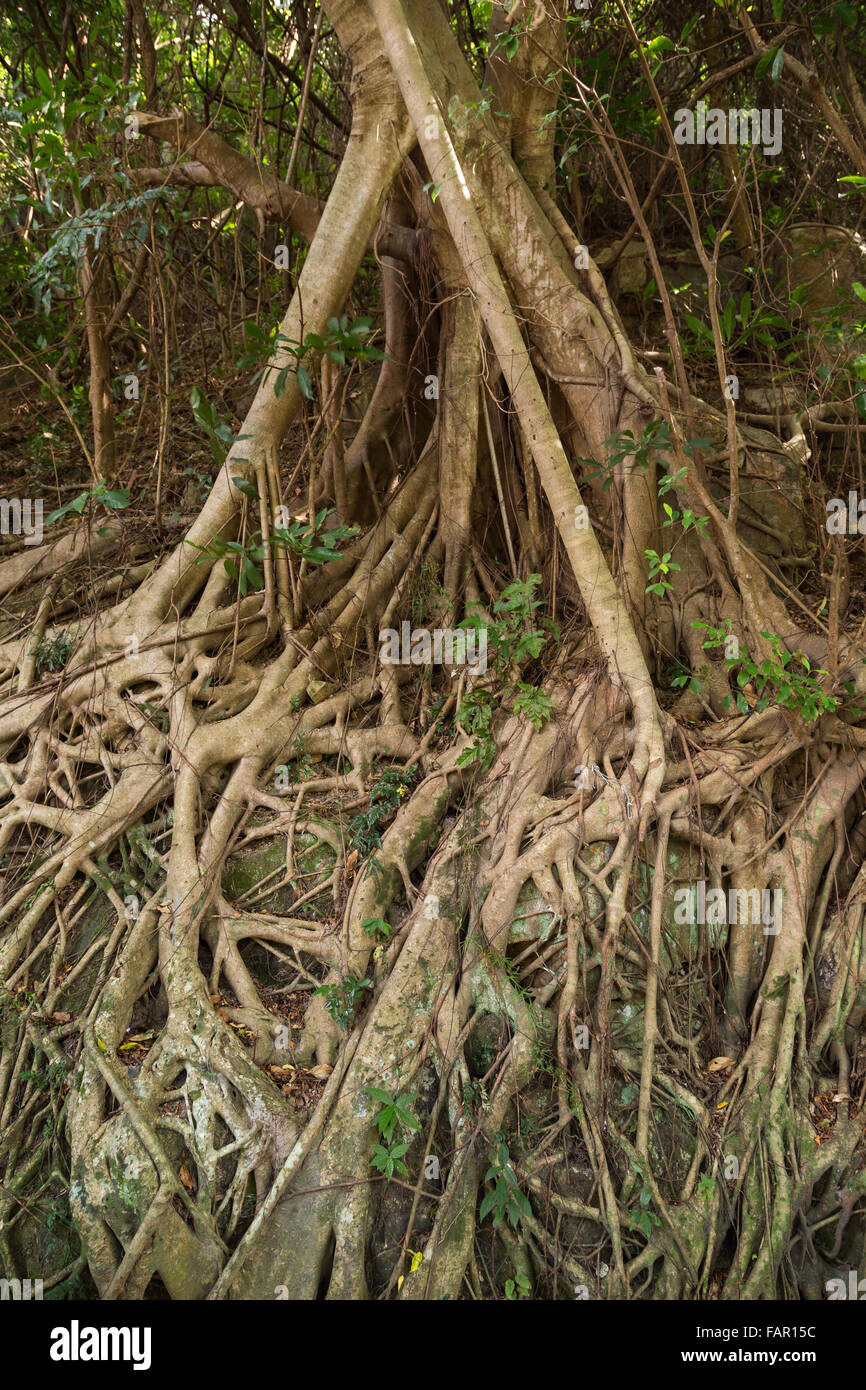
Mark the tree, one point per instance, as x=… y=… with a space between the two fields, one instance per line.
x=574 y=883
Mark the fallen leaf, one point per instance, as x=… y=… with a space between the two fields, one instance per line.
x=186 y=1178
x=721 y=1063
x=62 y=1018
x=321 y=1072
x=351 y=861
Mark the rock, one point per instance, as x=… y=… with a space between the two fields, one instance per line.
x=632 y=272
x=822 y=261
x=533 y=917
x=249 y=867
x=317 y=691
x=487 y=1039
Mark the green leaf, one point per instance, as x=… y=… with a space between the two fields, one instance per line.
x=305 y=384
x=660 y=44
x=246 y=488
x=845 y=13
x=280 y=382
x=765 y=62
x=699 y=329
x=117 y=499
x=778 y=64
x=487 y=1205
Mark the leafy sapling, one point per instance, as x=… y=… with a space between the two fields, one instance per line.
x=394 y=1121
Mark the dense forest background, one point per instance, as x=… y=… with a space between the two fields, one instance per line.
x=432 y=649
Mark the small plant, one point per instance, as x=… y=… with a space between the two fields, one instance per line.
x=52 y=1077
x=660 y=565
x=377 y=928
x=220 y=435
x=343 y=999
x=517 y=1288
x=385 y=798
x=310 y=542
x=623 y=445
x=203 y=481
x=513 y=639
x=474 y=1094
x=505 y=1199
x=341 y=342
x=509 y=635
x=534 y=704
x=393 y=1121
x=115 y=499
x=303 y=759
x=646 y=1219
x=670 y=480
x=680 y=676
x=739 y=325
x=687 y=518
x=59 y=1213
x=243 y=562
x=706 y=1187
x=475 y=717
x=53 y=655
x=779 y=679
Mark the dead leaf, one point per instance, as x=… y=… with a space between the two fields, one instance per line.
x=321 y=1072
x=351 y=861
x=721 y=1064
x=62 y=1018
x=186 y=1178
